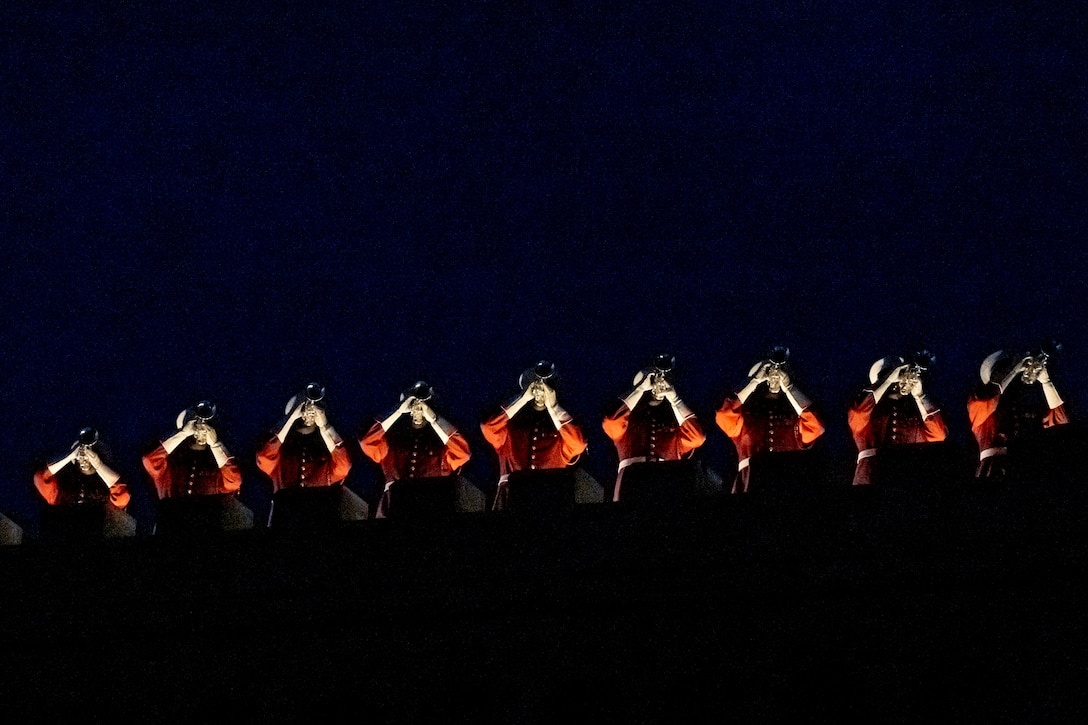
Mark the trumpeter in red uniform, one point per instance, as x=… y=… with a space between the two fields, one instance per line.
x=768 y=415
x=894 y=411
x=652 y=423
x=1015 y=403
x=82 y=478
x=414 y=442
x=306 y=451
x=533 y=432
x=193 y=462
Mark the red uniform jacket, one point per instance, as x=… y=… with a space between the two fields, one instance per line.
x=765 y=424
x=530 y=441
x=893 y=421
x=186 y=472
x=996 y=419
x=650 y=433
x=70 y=486
x=303 y=460
x=407 y=452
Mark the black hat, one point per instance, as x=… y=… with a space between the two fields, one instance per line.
x=544 y=371
x=315 y=392
x=420 y=390
x=312 y=393
x=996 y=366
x=999 y=364
x=778 y=356
x=88 y=438
x=203 y=411
x=921 y=360
x=662 y=365
x=883 y=367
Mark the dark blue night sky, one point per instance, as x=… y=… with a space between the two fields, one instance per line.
x=228 y=204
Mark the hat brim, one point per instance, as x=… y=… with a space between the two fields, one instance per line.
x=883 y=367
x=990 y=364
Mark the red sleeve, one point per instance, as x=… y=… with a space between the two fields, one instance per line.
x=268 y=458
x=615 y=425
x=457 y=452
x=863 y=472
x=339 y=463
x=374 y=444
x=1055 y=416
x=859 y=416
x=810 y=427
x=982 y=404
x=691 y=435
x=730 y=417
x=46 y=483
x=156 y=464
x=495 y=429
x=574 y=442
x=119 y=495
x=231 y=475
x=936 y=430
